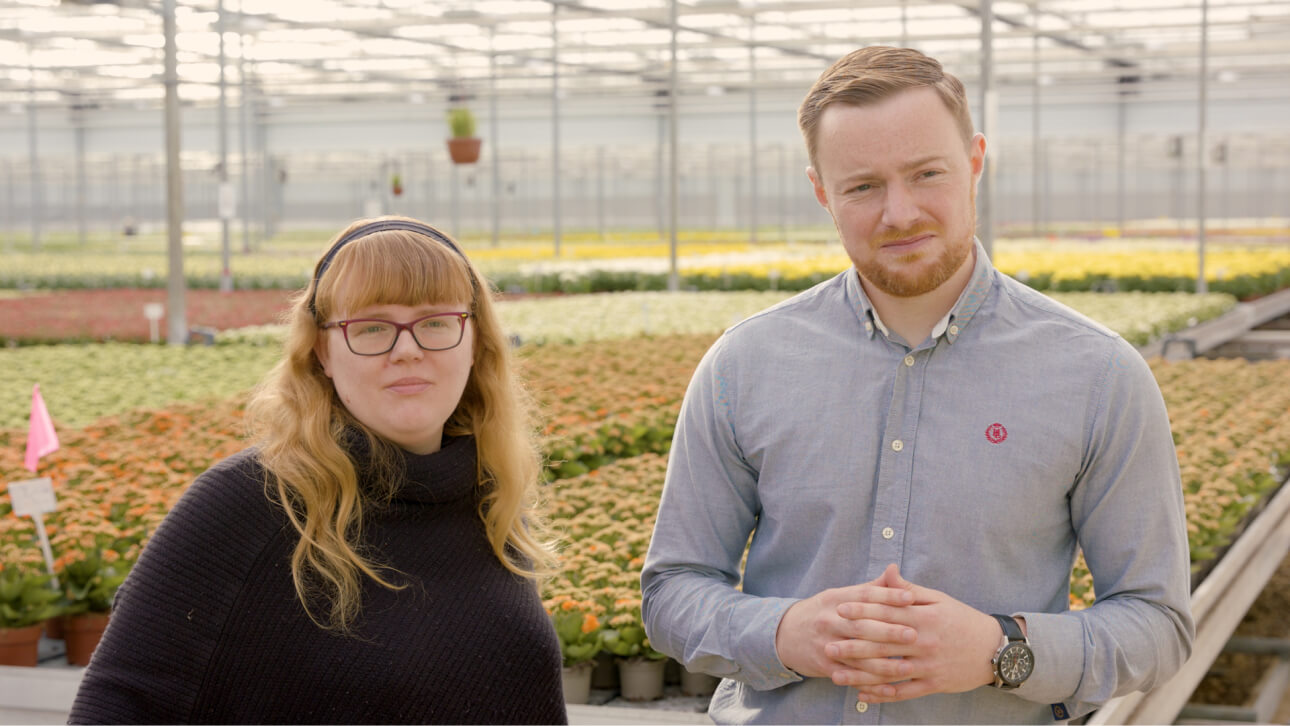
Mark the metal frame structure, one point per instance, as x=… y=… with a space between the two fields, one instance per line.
x=90 y=59
x=101 y=53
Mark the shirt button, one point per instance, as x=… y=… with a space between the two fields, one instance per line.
x=954 y=330
x=868 y=325
x=888 y=533
x=897 y=445
x=909 y=360
x=861 y=706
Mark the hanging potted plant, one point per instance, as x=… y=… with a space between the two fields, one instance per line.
x=26 y=601
x=463 y=145
x=396 y=185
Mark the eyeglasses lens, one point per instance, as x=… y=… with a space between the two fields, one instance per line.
x=374 y=337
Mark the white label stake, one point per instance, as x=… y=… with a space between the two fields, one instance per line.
x=32 y=498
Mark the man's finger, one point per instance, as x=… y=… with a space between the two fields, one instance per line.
x=871 y=671
x=874 y=611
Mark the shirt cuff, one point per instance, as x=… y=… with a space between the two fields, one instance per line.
x=1057 y=641
x=762 y=670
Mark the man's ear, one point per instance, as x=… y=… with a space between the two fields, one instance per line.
x=818 y=185
x=976 y=153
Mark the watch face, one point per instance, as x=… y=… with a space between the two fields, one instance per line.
x=1015 y=663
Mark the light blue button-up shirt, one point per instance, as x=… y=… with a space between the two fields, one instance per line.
x=977 y=460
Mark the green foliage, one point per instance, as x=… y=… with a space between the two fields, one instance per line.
x=26 y=598
x=91 y=582
x=581 y=636
x=461 y=121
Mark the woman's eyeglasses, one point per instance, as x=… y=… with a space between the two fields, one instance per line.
x=371 y=336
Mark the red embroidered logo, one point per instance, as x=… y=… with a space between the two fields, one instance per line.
x=995 y=433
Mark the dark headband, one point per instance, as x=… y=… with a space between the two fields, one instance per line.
x=372 y=228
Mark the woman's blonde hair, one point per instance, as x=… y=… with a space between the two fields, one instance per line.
x=300 y=426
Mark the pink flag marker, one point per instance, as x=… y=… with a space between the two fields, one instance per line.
x=41 y=439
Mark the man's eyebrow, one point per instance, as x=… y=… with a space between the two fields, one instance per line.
x=867 y=173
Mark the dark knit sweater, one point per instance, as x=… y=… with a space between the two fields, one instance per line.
x=208 y=629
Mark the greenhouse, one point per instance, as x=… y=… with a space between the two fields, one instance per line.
x=630 y=188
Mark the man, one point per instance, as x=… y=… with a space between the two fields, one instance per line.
x=916 y=448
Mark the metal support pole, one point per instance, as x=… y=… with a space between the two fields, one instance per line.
x=904 y=23
x=1036 y=168
x=752 y=127
x=555 y=125
x=660 y=205
x=78 y=122
x=673 y=278
x=176 y=314
x=713 y=206
x=243 y=131
x=783 y=193
x=1121 y=188
x=493 y=134
x=37 y=198
x=989 y=100
x=456 y=202
x=10 y=217
x=1202 y=286
x=225 y=197
x=600 y=190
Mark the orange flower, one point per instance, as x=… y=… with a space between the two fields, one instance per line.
x=589 y=623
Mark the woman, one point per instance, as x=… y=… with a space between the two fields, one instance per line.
x=373 y=557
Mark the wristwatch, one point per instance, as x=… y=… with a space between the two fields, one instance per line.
x=1014 y=661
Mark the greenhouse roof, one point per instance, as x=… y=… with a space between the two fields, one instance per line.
x=105 y=54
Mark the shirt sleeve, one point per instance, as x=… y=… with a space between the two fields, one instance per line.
x=166 y=620
x=692 y=607
x=1128 y=515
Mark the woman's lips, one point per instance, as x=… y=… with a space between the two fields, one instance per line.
x=408 y=386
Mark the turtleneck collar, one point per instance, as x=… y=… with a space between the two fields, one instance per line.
x=446 y=475
x=443 y=476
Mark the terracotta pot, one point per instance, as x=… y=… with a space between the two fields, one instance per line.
x=20 y=646
x=698 y=684
x=54 y=628
x=81 y=633
x=577 y=682
x=640 y=679
x=464 y=151
x=605 y=674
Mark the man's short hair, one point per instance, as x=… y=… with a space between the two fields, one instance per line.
x=871 y=74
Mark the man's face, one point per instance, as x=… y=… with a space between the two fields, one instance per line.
x=901 y=189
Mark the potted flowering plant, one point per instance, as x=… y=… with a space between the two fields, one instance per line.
x=581 y=636
x=27 y=600
x=640 y=667
x=463 y=145
x=90 y=582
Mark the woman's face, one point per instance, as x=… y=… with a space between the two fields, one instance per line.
x=407 y=394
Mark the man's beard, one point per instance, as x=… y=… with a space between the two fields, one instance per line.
x=899 y=284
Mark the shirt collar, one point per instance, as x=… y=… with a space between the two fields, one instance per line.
x=954 y=322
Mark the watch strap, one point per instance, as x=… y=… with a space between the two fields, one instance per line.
x=1010 y=628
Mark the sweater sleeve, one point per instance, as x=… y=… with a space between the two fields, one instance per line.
x=152 y=662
